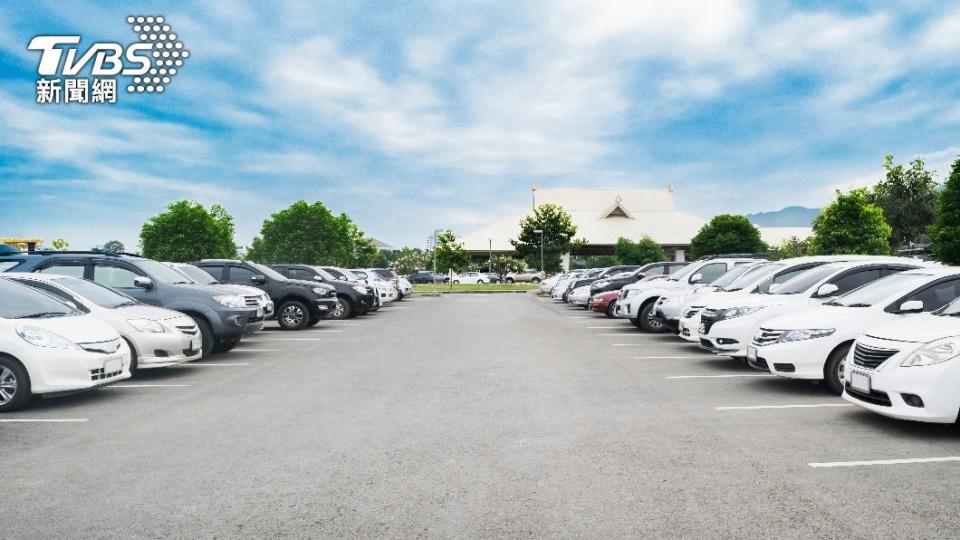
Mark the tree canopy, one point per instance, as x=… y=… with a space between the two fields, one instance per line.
x=646 y=250
x=851 y=225
x=558 y=231
x=187 y=231
x=114 y=246
x=945 y=232
x=908 y=198
x=727 y=233
x=450 y=253
x=503 y=265
x=412 y=260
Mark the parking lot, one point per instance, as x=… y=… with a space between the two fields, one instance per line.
x=470 y=415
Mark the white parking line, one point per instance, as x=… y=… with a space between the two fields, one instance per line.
x=883 y=462
x=254 y=350
x=810 y=406
x=732 y=376
x=44 y=420
x=671 y=357
x=198 y=364
x=650 y=344
x=582 y=317
x=148 y=386
x=626 y=334
x=622 y=326
x=298 y=339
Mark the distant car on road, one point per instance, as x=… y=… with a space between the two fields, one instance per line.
x=480 y=278
x=524 y=276
x=425 y=276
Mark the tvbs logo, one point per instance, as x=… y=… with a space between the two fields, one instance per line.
x=151 y=62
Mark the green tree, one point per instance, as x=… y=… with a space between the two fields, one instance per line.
x=908 y=198
x=647 y=250
x=789 y=248
x=558 y=231
x=306 y=233
x=450 y=253
x=366 y=254
x=114 y=246
x=186 y=231
x=60 y=244
x=410 y=260
x=727 y=233
x=851 y=225
x=945 y=232
x=503 y=265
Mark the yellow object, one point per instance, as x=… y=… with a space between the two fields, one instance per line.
x=23 y=244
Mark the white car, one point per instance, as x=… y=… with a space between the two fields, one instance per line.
x=638 y=300
x=386 y=289
x=479 y=278
x=908 y=369
x=726 y=327
x=670 y=308
x=48 y=347
x=813 y=343
x=580 y=296
x=401 y=286
x=157 y=337
x=201 y=277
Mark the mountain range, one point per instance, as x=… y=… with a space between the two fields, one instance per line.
x=791 y=216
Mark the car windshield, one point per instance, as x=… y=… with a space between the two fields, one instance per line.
x=359 y=273
x=880 y=290
x=327 y=276
x=731 y=275
x=21 y=302
x=267 y=271
x=6 y=265
x=385 y=273
x=750 y=277
x=98 y=294
x=804 y=281
x=684 y=271
x=161 y=272
x=950 y=310
x=196 y=274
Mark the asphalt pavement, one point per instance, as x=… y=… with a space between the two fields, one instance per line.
x=470 y=416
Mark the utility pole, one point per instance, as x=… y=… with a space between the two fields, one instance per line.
x=490 y=262
x=540 y=232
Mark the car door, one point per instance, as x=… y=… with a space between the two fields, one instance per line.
x=241 y=275
x=215 y=270
x=121 y=276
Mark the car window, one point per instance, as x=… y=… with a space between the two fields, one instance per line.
x=802 y=280
x=215 y=271
x=267 y=271
x=56 y=292
x=19 y=302
x=114 y=276
x=6 y=265
x=730 y=276
x=64 y=269
x=710 y=272
x=857 y=279
x=880 y=290
x=196 y=274
x=936 y=295
x=239 y=274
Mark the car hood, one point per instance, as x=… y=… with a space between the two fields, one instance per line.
x=843 y=318
x=757 y=300
x=656 y=283
x=78 y=329
x=246 y=290
x=144 y=311
x=920 y=328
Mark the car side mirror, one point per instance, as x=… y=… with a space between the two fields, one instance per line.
x=317 y=278
x=143 y=282
x=696 y=278
x=911 y=306
x=640 y=276
x=258 y=279
x=827 y=289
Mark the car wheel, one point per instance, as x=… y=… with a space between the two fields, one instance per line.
x=535 y=281
x=206 y=335
x=14 y=385
x=610 y=309
x=342 y=311
x=293 y=315
x=833 y=370
x=509 y=281
x=226 y=347
x=456 y=282
x=649 y=320
x=479 y=282
x=134 y=364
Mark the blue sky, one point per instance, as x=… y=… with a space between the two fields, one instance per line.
x=414 y=116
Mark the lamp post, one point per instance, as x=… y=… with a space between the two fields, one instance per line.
x=490 y=262
x=540 y=232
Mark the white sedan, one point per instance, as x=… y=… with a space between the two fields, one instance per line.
x=580 y=296
x=479 y=278
x=908 y=369
x=813 y=343
x=158 y=337
x=48 y=347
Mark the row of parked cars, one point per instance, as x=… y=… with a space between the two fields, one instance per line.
x=479 y=278
x=72 y=321
x=883 y=332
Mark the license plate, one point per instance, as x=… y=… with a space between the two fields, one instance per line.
x=702 y=329
x=860 y=381
x=112 y=365
x=752 y=353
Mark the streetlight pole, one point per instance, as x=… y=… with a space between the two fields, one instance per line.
x=490 y=262
x=540 y=232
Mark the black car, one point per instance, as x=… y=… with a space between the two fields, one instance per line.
x=222 y=319
x=299 y=303
x=425 y=276
x=615 y=282
x=354 y=298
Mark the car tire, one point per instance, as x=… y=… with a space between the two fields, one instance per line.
x=206 y=335
x=509 y=281
x=833 y=370
x=609 y=311
x=535 y=281
x=134 y=364
x=343 y=311
x=479 y=282
x=226 y=347
x=14 y=385
x=456 y=282
x=293 y=315
x=649 y=320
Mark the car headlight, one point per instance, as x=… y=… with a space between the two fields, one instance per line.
x=935 y=352
x=39 y=337
x=146 y=325
x=732 y=313
x=800 y=335
x=231 y=300
x=322 y=291
x=360 y=289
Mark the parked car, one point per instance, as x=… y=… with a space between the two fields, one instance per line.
x=300 y=304
x=48 y=347
x=604 y=302
x=223 y=317
x=727 y=327
x=388 y=290
x=547 y=285
x=525 y=276
x=813 y=343
x=584 y=279
x=342 y=274
x=908 y=369
x=637 y=302
x=479 y=278
x=199 y=277
x=669 y=308
x=157 y=337
x=617 y=281
x=404 y=286
x=353 y=298
x=426 y=276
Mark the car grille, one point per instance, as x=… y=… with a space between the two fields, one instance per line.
x=99 y=375
x=189 y=330
x=707 y=319
x=102 y=347
x=871 y=357
x=759 y=363
x=767 y=337
x=874 y=396
x=692 y=312
x=253 y=301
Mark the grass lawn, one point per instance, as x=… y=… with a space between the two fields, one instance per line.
x=471 y=287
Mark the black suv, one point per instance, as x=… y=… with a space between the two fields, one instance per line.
x=299 y=303
x=617 y=281
x=354 y=298
x=222 y=317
